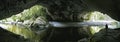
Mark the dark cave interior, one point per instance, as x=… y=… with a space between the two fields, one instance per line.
x=63 y=11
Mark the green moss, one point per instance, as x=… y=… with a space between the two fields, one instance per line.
x=30 y=14
x=97 y=16
x=27 y=14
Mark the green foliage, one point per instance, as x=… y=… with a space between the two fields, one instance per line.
x=98 y=16
x=31 y=14
x=27 y=14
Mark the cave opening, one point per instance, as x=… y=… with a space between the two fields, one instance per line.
x=59 y=21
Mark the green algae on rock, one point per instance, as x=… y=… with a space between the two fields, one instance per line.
x=27 y=17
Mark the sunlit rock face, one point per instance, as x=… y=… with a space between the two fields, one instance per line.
x=26 y=24
x=12 y=7
x=110 y=7
x=62 y=9
x=57 y=10
x=96 y=16
x=99 y=33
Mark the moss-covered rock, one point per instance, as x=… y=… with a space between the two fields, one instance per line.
x=98 y=16
x=26 y=19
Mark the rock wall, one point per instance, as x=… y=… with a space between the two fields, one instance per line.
x=62 y=9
